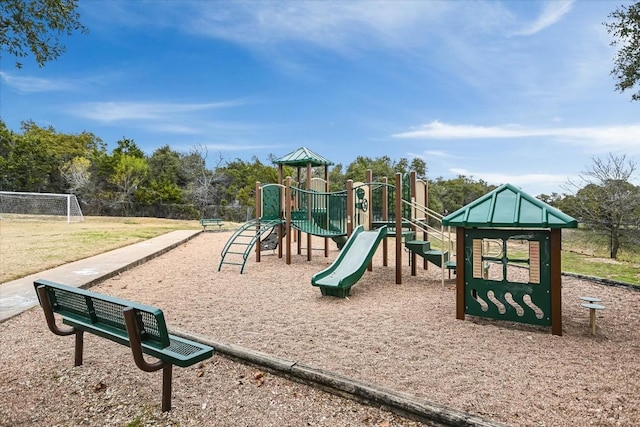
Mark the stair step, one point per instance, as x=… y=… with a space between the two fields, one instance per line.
x=435 y=256
x=418 y=246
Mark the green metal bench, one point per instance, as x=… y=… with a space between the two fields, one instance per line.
x=138 y=326
x=204 y=222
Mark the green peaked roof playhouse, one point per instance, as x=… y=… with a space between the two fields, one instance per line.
x=508 y=247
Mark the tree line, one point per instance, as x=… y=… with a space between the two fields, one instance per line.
x=171 y=184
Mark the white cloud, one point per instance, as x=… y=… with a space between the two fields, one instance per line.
x=515 y=179
x=127 y=111
x=532 y=183
x=439 y=130
x=624 y=138
x=336 y=26
x=552 y=12
x=433 y=153
x=34 y=84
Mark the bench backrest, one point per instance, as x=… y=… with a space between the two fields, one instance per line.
x=91 y=309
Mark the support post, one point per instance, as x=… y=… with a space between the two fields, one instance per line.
x=79 y=347
x=398 y=228
x=326 y=197
x=460 y=272
x=369 y=179
x=287 y=204
x=167 y=374
x=309 y=208
x=556 y=280
x=412 y=189
x=385 y=218
x=258 y=216
x=425 y=234
x=349 y=190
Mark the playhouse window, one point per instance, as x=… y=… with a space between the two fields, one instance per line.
x=511 y=260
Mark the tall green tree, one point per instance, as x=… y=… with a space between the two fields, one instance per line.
x=384 y=166
x=242 y=177
x=625 y=29
x=37 y=27
x=126 y=146
x=129 y=172
x=450 y=195
x=32 y=161
x=337 y=178
x=166 y=179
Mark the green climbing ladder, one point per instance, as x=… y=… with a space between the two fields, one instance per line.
x=237 y=249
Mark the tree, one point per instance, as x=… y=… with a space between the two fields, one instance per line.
x=452 y=194
x=625 y=28
x=128 y=174
x=383 y=167
x=165 y=179
x=31 y=161
x=242 y=177
x=607 y=202
x=128 y=147
x=36 y=26
x=205 y=187
x=77 y=173
x=337 y=180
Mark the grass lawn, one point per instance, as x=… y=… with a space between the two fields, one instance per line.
x=30 y=246
x=584 y=253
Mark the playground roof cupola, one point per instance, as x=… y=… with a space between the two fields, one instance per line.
x=509 y=207
x=301 y=157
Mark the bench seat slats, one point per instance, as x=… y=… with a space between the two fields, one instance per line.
x=102 y=315
x=180 y=352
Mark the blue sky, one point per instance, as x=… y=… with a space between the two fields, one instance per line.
x=504 y=91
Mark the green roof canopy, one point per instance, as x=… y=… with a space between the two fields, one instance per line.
x=509 y=207
x=301 y=157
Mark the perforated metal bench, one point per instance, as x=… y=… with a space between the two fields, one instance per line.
x=205 y=222
x=138 y=326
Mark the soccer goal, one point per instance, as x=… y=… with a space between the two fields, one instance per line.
x=40 y=205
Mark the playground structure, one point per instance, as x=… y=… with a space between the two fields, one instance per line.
x=508 y=242
x=284 y=212
x=502 y=235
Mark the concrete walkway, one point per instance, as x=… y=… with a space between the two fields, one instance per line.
x=18 y=295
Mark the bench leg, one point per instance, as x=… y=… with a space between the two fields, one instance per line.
x=45 y=302
x=133 y=330
x=79 y=347
x=166 y=387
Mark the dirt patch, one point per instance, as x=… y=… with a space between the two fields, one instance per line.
x=401 y=336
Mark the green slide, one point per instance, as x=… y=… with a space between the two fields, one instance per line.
x=348 y=268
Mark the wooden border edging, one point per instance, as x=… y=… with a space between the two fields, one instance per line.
x=402 y=404
x=603 y=281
